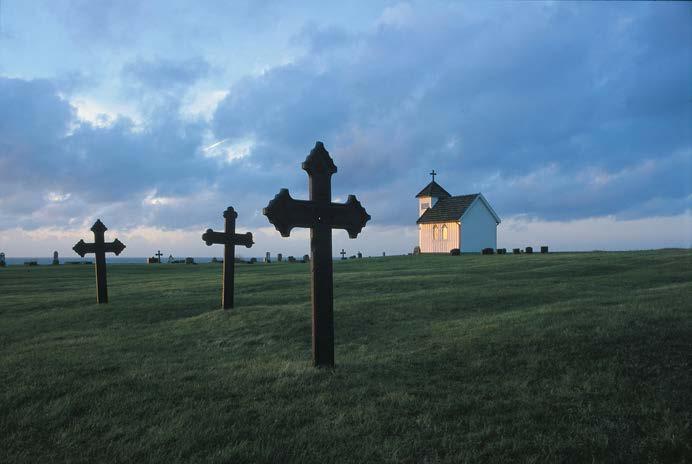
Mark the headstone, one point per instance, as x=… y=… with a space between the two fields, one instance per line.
x=487 y=251
x=360 y=255
x=516 y=251
x=99 y=248
x=153 y=260
x=306 y=258
x=170 y=259
x=502 y=251
x=343 y=254
x=252 y=261
x=279 y=257
x=229 y=239
x=291 y=259
x=2 y=260
x=455 y=252
x=383 y=253
x=544 y=249
x=190 y=260
x=529 y=250
x=56 y=260
x=416 y=250
x=321 y=216
x=267 y=258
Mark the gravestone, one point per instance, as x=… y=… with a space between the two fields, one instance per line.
x=529 y=250
x=306 y=258
x=343 y=254
x=279 y=257
x=383 y=254
x=2 y=260
x=158 y=256
x=99 y=248
x=516 y=251
x=455 y=252
x=502 y=251
x=267 y=258
x=291 y=259
x=360 y=255
x=544 y=249
x=487 y=251
x=56 y=260
x=229 y=239
x=190 y=260
x=416 y=250
x=321 y=216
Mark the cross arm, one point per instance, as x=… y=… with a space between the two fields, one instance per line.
x=82 y=248
x=286 y=213
x=116 y=246
x=210 y=237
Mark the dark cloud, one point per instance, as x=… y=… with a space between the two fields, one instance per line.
x=583 y=89
x=161 y=74
x=557 y=111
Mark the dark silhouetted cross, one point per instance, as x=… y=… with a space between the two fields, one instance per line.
x=158 y=255
x=433 y=174
x=343 y=254
x=229 y=239
x=320 y=215
x=99 y=248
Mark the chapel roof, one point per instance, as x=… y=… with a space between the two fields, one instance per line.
x=447 y=209
x=433 y=189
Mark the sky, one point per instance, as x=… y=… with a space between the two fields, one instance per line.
x=573 y=119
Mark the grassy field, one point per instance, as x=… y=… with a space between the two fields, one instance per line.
x=542 y=358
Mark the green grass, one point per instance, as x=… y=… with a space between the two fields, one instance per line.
x=542 y=358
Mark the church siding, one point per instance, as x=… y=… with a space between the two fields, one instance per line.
x=430 y=245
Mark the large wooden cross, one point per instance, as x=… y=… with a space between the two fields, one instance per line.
x=158 y=255
x=229 y=239
x=321 y=216
x=100 y=247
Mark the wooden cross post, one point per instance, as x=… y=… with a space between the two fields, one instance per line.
x=158 y=255
x=99 y=248
x=321 y=216
x=229 y=239
x=343 y=254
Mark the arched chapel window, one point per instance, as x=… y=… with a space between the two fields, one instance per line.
x=435 y=232
x=444 y=232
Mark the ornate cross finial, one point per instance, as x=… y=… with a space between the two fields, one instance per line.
x=433 y=174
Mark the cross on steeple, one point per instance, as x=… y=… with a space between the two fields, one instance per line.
x=433 y=174
x=229 y=239
x=100 y=247
x=320 y=215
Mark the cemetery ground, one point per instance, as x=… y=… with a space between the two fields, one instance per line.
x=560 y=358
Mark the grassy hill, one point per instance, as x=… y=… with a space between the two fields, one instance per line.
x=558 y=358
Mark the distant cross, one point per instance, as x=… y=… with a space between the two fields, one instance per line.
x=321 y=216
x=343 y=254
x=158 y=255
x=433 y=174
x=229 y=239
x=99 y=248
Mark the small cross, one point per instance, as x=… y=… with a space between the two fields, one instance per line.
x=158 y=255
x=99 y=248
x=320 y=215
x=343 y=254
x=229 y=239
x=433 y=174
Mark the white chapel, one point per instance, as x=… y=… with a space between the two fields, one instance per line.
x=446 y=222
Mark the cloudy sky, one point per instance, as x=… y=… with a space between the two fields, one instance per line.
x=573 y=119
